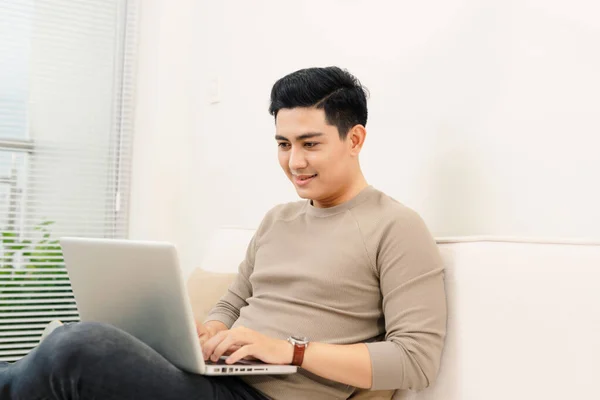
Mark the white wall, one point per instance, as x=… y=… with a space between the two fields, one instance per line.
x=483 y=114
x=159 y=206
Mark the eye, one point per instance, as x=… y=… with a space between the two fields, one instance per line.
x=283 y=145
x=310 y=145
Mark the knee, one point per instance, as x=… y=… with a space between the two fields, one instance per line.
x=73 y=343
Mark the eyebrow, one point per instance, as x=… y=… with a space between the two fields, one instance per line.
x=304 y=136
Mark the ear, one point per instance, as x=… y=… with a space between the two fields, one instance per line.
x=356 y=138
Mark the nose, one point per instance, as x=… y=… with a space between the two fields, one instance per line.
x=297 y=160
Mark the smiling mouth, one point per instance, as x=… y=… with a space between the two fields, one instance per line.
x=301 y=180
x=305 y=177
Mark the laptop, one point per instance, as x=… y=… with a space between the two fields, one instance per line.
x=138 y=287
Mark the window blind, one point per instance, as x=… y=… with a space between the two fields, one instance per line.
x=66 y=125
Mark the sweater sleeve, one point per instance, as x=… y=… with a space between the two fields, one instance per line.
x=411 y=277
x=227 y=309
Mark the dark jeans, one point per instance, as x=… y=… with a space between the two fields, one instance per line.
x=86 y=361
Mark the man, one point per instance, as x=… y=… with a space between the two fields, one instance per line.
x=352 y=270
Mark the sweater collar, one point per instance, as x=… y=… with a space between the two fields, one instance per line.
x=353 y=202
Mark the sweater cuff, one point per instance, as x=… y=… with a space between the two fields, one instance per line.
x=386 y=365
x=224 y=318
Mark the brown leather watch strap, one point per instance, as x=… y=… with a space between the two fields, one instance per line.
x=298 y=354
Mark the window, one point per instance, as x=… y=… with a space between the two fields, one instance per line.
x=66 y=125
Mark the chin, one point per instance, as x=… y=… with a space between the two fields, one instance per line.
x=305 y=193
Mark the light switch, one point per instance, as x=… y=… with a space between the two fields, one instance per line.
x=214 y=90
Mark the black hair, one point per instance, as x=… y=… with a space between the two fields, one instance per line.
x=336 y=91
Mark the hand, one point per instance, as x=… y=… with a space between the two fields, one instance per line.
x=208 y=330
x=245 y=343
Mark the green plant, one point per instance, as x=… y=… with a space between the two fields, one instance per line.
x=41 y=254
x=41 y=265
x=29 y=270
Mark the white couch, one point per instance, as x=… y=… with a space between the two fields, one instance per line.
x=523 y=317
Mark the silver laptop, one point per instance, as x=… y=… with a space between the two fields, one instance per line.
x=139 y=288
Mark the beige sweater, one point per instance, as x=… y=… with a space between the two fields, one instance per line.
x=365 y=271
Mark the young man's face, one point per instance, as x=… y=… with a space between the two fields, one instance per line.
x=312 y=154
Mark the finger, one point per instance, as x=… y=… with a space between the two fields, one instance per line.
x=243 y=352
x=231 y=340
x=209 y=346
x=201 y=329
x=203 y=339
x=232 y=349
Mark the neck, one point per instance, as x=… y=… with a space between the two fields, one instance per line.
x=345 y=194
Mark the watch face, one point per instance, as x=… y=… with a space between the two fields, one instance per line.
x=300 y=339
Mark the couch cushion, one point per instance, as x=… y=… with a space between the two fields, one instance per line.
x=205 y=289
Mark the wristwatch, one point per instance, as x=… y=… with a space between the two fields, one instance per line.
x=300 y=344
